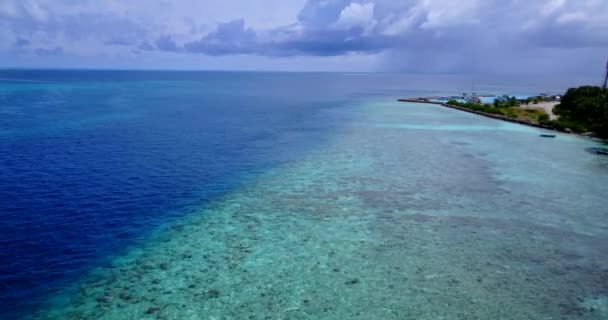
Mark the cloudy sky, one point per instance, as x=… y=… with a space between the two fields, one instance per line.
x=422 y=36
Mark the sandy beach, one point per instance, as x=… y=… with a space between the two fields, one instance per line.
x=545 y=106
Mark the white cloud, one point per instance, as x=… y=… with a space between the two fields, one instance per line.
x=572 y=17
x=442 y=13
x=356 y=15
x=399 y=24
x=35 y=11
x=422 y=28
x=552 y=6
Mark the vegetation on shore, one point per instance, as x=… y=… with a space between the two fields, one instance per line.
x=539 y=99
x=583 y=109
x=509 y=108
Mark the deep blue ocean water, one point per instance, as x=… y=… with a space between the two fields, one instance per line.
x=93 y=162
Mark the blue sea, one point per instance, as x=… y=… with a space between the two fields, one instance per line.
x=244 y=195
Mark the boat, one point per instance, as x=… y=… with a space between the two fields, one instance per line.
x=601 y=151
x=546 y=135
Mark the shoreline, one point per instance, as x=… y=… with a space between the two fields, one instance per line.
x=493 y=116
x=547 y=107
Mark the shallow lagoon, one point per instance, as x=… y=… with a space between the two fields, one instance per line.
x=407 y=211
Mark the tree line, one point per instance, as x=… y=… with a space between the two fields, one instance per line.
x=583 y=109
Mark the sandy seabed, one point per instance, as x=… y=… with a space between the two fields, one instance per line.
x=398 y=216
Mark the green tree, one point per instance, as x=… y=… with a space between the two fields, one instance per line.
x=512 y=102
x=585 y=108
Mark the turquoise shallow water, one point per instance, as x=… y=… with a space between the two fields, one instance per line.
x=407 y=211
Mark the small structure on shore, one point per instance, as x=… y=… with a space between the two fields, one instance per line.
x=472 y=98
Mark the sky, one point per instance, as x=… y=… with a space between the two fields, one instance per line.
x=548 y=37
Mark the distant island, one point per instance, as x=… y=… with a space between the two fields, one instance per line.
x=582 y=110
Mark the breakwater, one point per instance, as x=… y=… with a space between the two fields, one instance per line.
x=485 y=114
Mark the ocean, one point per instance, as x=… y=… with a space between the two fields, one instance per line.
x=252 y=195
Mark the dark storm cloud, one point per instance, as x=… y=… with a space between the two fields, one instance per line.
x=337 y=27
x=145 y=46
x=166 y=43
x=332 y=43
x=21 y=42
x=228 y=38
x=234 y=38
x=442 y=35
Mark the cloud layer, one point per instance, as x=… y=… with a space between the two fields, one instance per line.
x=407 y=35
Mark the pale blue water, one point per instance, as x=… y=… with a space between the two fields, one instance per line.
x=155 y=195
